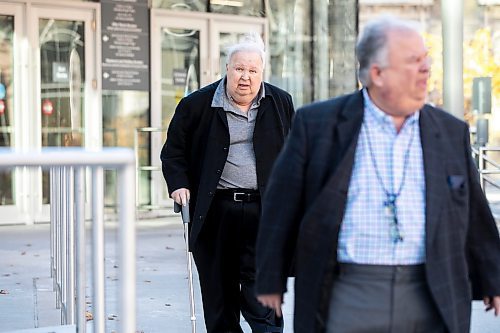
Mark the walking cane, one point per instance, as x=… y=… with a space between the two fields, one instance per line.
x=186 y=220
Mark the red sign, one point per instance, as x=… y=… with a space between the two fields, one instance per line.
x=2 y=107
x=47 y=107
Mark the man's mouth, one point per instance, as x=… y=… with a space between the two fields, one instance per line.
x=422 y=84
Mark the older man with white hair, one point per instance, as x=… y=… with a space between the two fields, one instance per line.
x=220 y=148
x=376 y=197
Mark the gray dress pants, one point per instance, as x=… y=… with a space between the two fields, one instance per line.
x=382 y=299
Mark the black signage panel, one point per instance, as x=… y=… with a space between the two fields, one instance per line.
x=125 y=44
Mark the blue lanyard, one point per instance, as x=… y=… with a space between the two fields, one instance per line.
x=391 y=196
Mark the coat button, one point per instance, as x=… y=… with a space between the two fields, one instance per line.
x=225 y=148
x=219 y=171
x=210 y=193
x=200 y=217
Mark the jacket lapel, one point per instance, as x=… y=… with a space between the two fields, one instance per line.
x=222 y=116
x=347 y=130
x=350 y=119
x=433 y=170
x=265 y=104
x=344 y=147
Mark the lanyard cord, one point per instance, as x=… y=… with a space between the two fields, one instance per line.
x=394 y=195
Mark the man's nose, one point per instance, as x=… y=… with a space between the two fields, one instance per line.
x=426 y=65
x=245 y=75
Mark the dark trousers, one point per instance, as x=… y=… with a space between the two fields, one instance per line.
x=382 y=299
x=225 y=257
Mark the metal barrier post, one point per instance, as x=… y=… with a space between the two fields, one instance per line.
x=80 y=249
x=127 y=248
x=482 y=167
x=98 y=248
x=64 y=246
x=120 y=159
x=58 y=239
x=70 y=278
x=53 y=217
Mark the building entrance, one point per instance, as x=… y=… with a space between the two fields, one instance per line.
x=187 y=53
x=48 y=94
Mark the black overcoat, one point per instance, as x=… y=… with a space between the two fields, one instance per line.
x=305 y=201
x=197 y=144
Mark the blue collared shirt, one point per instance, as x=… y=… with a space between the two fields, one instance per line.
x=365 y=236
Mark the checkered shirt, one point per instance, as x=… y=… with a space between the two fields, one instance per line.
x=365 y=232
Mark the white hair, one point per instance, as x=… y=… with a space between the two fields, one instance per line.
x=371 y=47
x=250 y=42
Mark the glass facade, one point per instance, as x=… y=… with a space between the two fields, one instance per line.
x=290 y=48
x=310 y=42
x=237 y=7
x=123 y=112
x=481 y=51
x=188 y=5
x=482 y=59
x=180 y=68
x=62 y=75
x=6 y=102
x=310 y=46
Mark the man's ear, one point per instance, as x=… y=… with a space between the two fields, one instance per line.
x=375 y=73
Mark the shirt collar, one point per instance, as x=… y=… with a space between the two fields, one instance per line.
x=382 y=117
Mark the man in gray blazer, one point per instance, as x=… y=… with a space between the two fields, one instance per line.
x=376 y=201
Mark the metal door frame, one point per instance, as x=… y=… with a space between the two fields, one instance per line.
x=17 y=212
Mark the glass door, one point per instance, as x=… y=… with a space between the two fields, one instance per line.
x=49 y=94
x=187 y=53
x=228 y=32
x=11 y=18
x=66 y=86
x=179 y=66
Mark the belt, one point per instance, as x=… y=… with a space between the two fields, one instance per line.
x=383 y=271
x=238 y=194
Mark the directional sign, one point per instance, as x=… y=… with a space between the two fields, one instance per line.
x=125 y=44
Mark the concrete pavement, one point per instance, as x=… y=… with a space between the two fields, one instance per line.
x=27 y=300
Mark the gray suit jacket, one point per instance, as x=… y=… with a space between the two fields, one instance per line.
x=305 y=203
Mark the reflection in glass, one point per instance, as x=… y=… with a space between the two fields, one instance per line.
x=6 y=102
x=226 y=40
x=62 y=77
x=238 y=7
x=180 y=68
x=342 y=25
x=291 y=53
x=187 y=5
x=123 y=112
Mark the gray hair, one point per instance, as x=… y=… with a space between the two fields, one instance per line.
x=371 y=47
x=250 y=42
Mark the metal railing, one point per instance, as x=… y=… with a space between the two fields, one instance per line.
x=483 y=161
x=146 y=168
x=67 y=194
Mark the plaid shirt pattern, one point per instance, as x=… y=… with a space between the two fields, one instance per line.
x=365 y=231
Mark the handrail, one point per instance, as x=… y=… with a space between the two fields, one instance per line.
x=67 y=170
x=149 y=168
x=483 y=170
